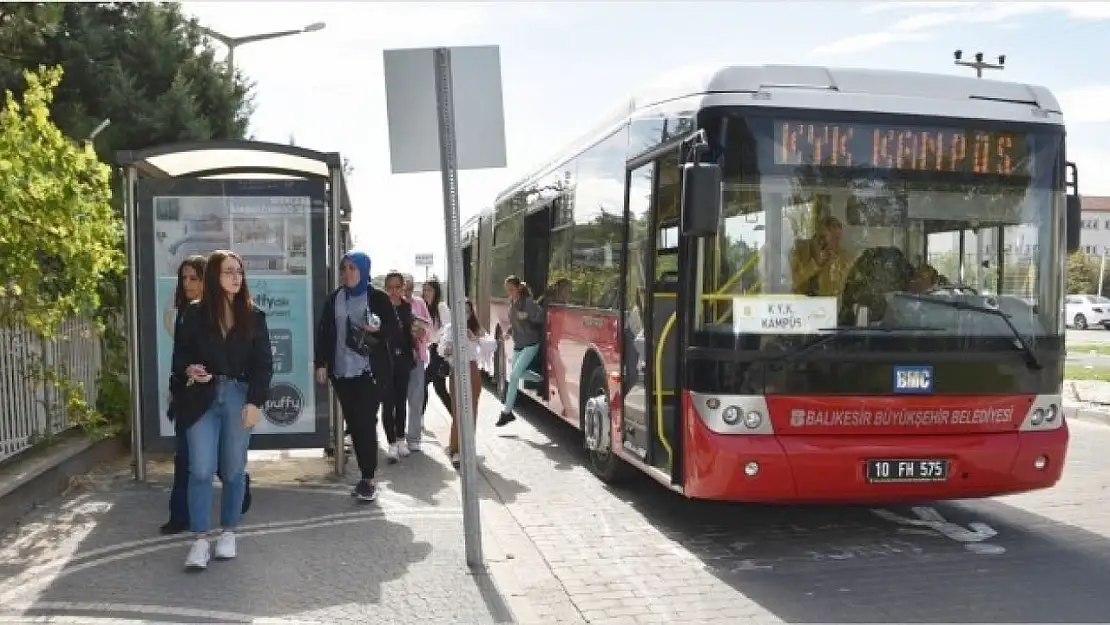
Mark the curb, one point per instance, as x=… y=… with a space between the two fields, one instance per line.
x=1090 y=416
x=513 y=562
x=39 y=475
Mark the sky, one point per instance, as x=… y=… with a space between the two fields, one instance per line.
x=566 y=65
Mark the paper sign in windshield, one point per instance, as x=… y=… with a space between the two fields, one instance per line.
x=786 y=315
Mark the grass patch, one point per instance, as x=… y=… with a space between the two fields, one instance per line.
x=1081 y=372
x=1102 y=349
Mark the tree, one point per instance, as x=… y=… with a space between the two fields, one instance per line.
x=58 y=234
x=145 y=66
x=1082 y=276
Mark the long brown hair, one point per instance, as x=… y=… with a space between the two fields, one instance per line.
x=197 y=263
x=214 y=301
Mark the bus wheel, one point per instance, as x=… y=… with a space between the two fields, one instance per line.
x=597 y=429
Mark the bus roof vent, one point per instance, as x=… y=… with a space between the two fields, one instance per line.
x=750 y=78
x=941 y=86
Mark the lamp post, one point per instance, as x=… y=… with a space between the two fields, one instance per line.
x=979 y=65
x=235 y=42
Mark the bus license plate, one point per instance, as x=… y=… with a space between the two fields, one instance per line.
x=907 y=470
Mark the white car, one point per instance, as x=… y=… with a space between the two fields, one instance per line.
x=1084 y=311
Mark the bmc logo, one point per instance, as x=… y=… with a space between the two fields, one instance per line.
x=913 y=379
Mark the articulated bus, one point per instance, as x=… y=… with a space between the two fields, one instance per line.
x=801 y=285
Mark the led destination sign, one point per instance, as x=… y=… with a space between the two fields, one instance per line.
x=907 y=148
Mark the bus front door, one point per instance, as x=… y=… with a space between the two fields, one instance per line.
x=650 y=366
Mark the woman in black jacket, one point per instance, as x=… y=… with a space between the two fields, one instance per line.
x=190 y=288
x=356 y=367
x=222 y=352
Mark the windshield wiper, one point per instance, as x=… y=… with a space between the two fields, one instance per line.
x=1031 y=359
x=841 y=331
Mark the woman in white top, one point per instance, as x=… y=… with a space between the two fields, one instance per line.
x=476 y=338
x=438 y=369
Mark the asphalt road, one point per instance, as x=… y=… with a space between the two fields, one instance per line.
x=1087 y=357
x=1037 y=557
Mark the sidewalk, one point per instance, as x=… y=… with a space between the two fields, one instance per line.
x=308 y=553
x=1088 y=400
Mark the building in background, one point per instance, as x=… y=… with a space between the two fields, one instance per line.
x=1095 y=238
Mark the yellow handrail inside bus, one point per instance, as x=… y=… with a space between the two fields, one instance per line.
x=658 y=372
x=658 y=383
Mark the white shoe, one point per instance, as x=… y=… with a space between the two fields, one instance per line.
x=199 y=554
x=413 y=447
x=403 y=449
x=225 y=546
x=392 y=454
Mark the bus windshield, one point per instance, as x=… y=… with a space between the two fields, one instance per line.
x=832 y=222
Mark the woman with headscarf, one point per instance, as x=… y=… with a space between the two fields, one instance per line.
x=351 y=352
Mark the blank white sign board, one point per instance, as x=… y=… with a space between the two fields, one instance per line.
x=410 y=98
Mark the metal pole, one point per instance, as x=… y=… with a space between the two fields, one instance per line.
x=132 y=310
x=472 y=523
x=1101 y=270
x=336 y=255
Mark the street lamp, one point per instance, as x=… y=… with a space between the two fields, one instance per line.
x=235 y=42
x=979 y=65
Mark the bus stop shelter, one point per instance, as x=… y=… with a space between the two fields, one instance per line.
x=286 y=210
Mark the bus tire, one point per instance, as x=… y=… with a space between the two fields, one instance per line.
x=597 y=427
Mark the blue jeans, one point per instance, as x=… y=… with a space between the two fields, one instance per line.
x=179 y=499
x=219 y=440
x=522 y=358
x=417 y=389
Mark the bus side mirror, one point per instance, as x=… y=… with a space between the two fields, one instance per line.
x=701 y=199
x=1074 y=222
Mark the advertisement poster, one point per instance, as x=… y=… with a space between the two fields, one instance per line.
x=272 y=236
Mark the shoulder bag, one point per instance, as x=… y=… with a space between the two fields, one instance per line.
x=360 y=340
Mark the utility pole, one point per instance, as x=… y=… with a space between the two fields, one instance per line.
x=979 y=65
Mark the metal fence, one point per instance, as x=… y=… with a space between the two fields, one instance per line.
x=31 y=410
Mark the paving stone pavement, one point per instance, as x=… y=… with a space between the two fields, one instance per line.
x=564 y=548
x=308 y=552
x=640 y=554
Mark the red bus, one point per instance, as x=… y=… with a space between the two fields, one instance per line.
x=801 y=284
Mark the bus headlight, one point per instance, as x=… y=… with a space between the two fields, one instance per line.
x=1051 y=413
x=731 y=415
x=753 y=420
x=1038 y=416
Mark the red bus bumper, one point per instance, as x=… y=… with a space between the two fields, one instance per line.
x=832 y=469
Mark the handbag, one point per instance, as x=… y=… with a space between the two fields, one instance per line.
x=360 y=340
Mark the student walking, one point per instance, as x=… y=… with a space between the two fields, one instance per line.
x=402 y=348
x=526 y=321
x=351 y=353
x=190 y=288
x=439 y=370
x=222 y=351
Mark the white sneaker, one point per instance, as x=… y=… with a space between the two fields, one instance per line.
x=403 y=449
x=199 y=554
x=413 y=447
x=225 y=546
x=392 y=453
